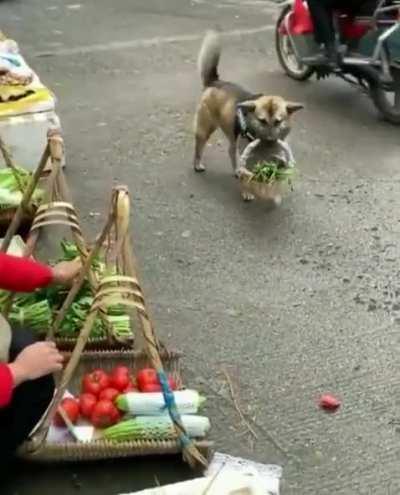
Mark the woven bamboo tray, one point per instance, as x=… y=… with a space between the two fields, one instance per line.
x=271 y=191
x=104 y=449
x=93 y=344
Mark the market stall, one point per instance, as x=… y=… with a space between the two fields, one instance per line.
x=149 y=409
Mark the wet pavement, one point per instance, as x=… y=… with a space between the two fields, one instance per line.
x=290 y=303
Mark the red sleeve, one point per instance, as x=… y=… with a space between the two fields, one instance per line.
x=6 y=385
x=22 y=274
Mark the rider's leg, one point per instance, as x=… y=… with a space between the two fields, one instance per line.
x=322 y=14
x=321 y=11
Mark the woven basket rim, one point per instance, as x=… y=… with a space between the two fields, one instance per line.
x=114 y=353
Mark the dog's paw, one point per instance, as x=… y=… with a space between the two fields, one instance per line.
x=246 y=196
x=199 y=168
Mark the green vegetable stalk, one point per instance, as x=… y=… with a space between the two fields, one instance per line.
x=269 y=172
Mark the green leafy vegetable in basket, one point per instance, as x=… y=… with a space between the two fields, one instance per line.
x=11 y=183
x=269 y=172
x=27 y=312
x=156 y=428
x=38 y=309
x=36 y=316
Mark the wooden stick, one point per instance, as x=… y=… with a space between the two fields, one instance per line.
x=51 y=150
x=69 y=371
x=79 y=281
x=236 y=405
x=190 y=453
x=16 y=221
x=81 y=243
x=83 y=335
x=8 y=159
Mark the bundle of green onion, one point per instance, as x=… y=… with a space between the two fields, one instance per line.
x=37 y=310
x=12 y=184
x=269 y=172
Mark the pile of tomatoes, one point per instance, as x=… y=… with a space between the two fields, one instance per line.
x=99 y=392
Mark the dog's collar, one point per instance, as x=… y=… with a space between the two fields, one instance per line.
x=243 y=130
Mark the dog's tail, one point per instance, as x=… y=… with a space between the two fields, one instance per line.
x=209 y=56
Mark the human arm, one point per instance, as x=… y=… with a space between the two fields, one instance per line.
x=35 y=361
x=25 y=275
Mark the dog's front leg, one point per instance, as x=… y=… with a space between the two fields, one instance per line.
x=233 y=156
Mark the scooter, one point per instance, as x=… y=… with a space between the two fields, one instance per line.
x=368 y=42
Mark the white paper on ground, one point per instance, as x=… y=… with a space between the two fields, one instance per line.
x=225 y=483
x=226 y=475
x=268 y=474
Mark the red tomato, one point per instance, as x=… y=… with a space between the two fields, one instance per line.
x=120 y=378
x=131 y=388
x=109 y=394
x=86 y=404
x=123 y=370
x=71 y=409
x=147 y=381
x=95 y=382
x=145 y=377
x=156 y=387
x=104 y=414
x=329 y=402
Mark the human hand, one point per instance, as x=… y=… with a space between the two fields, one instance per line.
x=35 y=361
x=65 y=271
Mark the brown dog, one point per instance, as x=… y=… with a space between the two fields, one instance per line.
x=237 y=112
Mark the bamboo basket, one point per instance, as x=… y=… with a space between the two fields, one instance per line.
x=273 y=191
x=58 y=210
x=103 y=449
x=123 y=289
x=266 y=191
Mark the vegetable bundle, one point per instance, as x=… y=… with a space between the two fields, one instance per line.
x=269 y=172
x=37 y=310
x=12 y=184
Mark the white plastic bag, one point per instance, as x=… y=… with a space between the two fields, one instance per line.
x=267 y=474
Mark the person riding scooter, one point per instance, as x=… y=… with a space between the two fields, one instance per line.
x=324 y=30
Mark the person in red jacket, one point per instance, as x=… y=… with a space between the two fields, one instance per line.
x=26 y=382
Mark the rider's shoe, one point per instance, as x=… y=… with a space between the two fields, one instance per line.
x=328 y=58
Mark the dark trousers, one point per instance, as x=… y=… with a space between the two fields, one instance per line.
x=30 y=401
x=322 y=14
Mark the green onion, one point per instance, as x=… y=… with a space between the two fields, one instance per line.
x=269 y=172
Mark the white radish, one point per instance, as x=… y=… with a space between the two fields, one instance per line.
x=153 y=404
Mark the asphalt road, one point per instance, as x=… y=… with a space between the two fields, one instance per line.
x=292 y=302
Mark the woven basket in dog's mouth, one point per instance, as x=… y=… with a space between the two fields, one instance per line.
x=267 y=191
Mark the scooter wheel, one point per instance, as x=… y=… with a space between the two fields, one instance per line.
x=286 y=55
x=388 y=102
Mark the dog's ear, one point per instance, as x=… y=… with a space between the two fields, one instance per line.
x=247 y=106
x=293 y=107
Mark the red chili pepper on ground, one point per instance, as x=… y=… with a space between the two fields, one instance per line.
x=329 y=402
